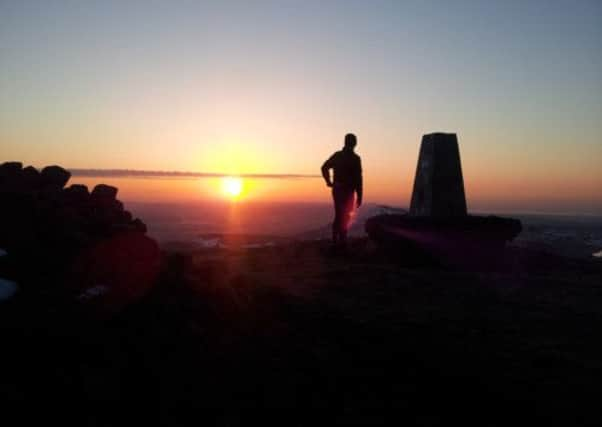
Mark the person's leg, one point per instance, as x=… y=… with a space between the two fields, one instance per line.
x=346 y=209
x=336 y=224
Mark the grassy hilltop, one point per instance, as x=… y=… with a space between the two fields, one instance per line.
x=296 y=335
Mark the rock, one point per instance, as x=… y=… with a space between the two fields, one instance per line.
x=47 y=228
x=482 y=229
x=10 y=168
x=55 y=177
x=18 y=218
x=8 y=288
x=104 y=192
x=129 y=226
x=126 y=217
x=10 y=177
x=31 y=178
x=139 y=225
x=93 y=292
x=79 y=189
x=127 y=264
x=76 y=193
x=107 y=207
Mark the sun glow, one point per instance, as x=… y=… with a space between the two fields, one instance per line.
x=232 y=186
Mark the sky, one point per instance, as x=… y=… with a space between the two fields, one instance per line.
x=271 y=87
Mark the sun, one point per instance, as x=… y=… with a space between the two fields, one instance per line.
x=232 y=186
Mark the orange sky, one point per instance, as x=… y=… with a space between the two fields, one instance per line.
x=488 y=194
x=273 y=89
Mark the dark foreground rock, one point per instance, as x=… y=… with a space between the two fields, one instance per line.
x=130 y=265
x=70 y=238
x=55 y=177
x=460 y=239
x=9 y=169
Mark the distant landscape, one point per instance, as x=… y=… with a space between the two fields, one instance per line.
x=188 y=226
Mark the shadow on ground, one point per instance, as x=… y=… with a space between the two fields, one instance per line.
x=297 y=335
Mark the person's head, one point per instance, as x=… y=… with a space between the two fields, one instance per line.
x=350 y=141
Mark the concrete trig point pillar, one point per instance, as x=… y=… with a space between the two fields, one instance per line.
x=438 y=185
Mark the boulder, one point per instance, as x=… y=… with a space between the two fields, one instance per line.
x=8 y=288
x=484 y=231
x=18 y=218
x=30 y=178
x=10 y=177
x=139 y=225
x=76 y=194
x=10 y=168
x=55 y=177
x=48 y=228
x=104 y=192
x=127 y=265
x=126 y=216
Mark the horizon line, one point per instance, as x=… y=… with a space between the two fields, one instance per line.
x=133 y=173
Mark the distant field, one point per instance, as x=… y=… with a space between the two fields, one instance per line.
x=189 y=225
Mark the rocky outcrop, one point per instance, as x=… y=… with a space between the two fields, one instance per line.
x=8 y=169
x=483 y=231
x=55 y=177
x=104 y=192
x=77 y=237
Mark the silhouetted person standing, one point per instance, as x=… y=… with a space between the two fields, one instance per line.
x=347 y=180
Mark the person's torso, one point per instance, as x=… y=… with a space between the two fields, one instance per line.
x=346 y=167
